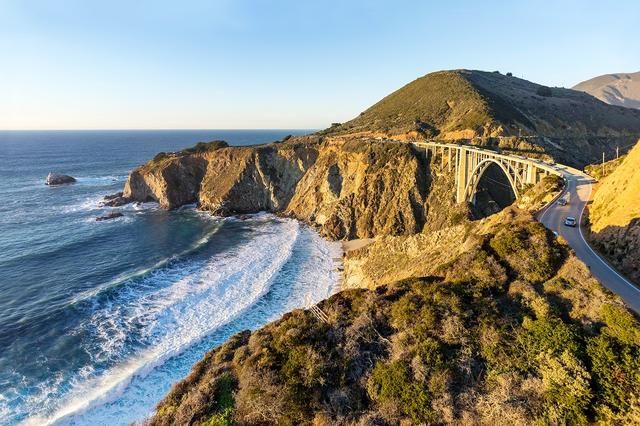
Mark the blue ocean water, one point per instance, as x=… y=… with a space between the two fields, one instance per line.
x=98 y=319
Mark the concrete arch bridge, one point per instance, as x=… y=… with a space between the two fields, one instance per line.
x=477 y=168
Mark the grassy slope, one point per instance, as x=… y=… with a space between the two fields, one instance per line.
x=615 y=215
x=435 y=103
x=617 y=201
x=514 y=332
x=569 y=125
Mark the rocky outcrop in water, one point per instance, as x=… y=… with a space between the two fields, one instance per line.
x=346 y=188
x=58 y=179
x=109 y=216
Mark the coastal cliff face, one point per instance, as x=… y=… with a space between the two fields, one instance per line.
x=615 y=215
x=172 y=182
x=345 y=188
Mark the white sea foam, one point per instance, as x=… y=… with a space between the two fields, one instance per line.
x=158 y=265
x=186 y=307
x=100 y=180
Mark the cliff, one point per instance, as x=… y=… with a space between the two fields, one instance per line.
x=490 y=108
x=615 y=215
x=509 y=329
x=345 y=188
x=616 y=89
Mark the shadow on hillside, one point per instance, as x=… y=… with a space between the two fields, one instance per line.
x=620 y=245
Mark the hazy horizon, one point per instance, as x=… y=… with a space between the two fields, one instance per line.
x=244 y=65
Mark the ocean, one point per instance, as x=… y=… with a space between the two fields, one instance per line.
x=99 y=319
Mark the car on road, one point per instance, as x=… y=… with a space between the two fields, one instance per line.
x=571 y=221
x=563 y=201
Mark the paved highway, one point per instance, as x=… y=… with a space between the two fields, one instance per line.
x=578 y=192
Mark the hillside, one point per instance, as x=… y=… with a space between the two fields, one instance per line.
x=615 y=89
x=491 y=108
x=615 y=215
x=512 y=332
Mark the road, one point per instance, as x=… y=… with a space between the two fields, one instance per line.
x=578 y=192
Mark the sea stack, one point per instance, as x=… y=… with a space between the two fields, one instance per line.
x=58 y=179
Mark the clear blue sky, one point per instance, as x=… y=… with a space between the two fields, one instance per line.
x=280 y=64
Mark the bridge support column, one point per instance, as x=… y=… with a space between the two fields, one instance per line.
x=462 y=176
x=531 y=174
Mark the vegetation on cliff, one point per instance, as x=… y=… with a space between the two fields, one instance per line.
x=536 y=339
x=614 y=215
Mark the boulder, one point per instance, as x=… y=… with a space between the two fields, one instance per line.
x=58 y=179
x=111 y=215
x=115 y=200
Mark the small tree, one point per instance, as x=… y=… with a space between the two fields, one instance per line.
x=544 y=91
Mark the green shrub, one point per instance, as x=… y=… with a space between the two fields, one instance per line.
x=544 y=91
x=615 y=367
x=621 y=324
x=392 y=384
x=160 y=156
x=405 y=311
x=544 y=335
x=201 y=147
x=224 y=418
x=566 y=388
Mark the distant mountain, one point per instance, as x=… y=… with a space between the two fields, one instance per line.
x=614 y=89
x=492 y=108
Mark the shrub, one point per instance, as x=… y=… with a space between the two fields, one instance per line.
x=566 y=386
x=405 y=311
x=544 y=91
x=201 y=147
x=160 y=156
x=615 y=367
x=544 y=335
x=621 y=324
x=392 y=384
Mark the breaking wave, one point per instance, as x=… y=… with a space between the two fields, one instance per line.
x=147 y=329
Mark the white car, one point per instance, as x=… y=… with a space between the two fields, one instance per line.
x=563 y=201
x=571 y=221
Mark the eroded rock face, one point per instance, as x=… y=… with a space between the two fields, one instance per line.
x=346 y=188
x=58 y=179
x=172 y=182
x=359 y=189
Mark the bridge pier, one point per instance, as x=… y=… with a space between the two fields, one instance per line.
x=462 y=175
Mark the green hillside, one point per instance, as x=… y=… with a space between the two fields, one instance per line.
x=492 y=108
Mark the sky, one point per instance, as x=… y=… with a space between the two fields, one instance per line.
x=83 y=64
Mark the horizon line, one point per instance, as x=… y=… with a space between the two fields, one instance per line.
x=158 y=129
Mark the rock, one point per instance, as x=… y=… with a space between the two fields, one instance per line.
x=113 y=196
x=111 y=215
x=58 y=179
x=115 y=200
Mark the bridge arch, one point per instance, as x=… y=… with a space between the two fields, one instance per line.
x=479 y=171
